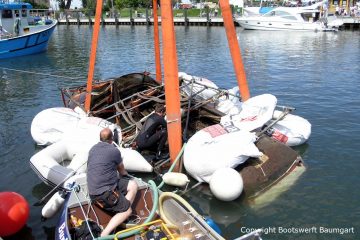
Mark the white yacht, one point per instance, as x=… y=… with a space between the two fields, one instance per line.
x=291 y=18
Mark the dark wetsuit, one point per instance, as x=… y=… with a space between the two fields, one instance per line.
x=152 y=134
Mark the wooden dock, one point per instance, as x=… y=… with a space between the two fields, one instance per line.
x=190 y=21
x=350 y=23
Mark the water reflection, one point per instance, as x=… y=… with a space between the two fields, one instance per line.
x=222 y=213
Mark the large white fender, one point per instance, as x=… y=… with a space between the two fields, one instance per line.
x=216 y=147
x=226 y=184
x=230 y=104
x=254 y=112
x=50 y=125
x=292 y=130
x=203 y=89
x=134 y=161
x=175 y=179
x=199 y=88
x=57 y=200
x=53 y=205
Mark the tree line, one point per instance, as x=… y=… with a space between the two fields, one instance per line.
x=119 y=4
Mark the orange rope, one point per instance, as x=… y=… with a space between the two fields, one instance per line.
x=156 y=43
x=234 y=49
x=94 y=43
x=172 y=94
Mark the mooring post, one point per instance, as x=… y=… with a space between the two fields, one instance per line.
x=186 y=17
x=116 y=17
x=147 y=15
x=131 y=17
x=102 y=20
x=208 y=19
x=78 y=17
x=66 y=17
x=89 y=16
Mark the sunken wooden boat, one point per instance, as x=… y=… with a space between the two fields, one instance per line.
x=156 y=215
x=129 y=99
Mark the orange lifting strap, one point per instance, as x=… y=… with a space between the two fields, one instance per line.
x=172 y=92
x=234 y=49
x=94 y=43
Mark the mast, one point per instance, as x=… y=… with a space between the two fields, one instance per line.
x=92 y=61
x=234 y=49
x=172 y=95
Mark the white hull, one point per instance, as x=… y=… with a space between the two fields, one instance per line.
x=280 y=25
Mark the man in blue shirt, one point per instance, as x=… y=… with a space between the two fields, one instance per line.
x=106 y=186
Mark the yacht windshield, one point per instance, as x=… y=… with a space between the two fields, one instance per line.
x=282 y=14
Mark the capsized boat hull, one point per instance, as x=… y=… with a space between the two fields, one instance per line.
x=260 y=174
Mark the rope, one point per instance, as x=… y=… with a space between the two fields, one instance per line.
x=42 y=74
x=83 y=212
x=188 y=113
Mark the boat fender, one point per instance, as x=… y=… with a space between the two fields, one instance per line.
x=292 y=130
x=226 y=184
x=134 y=161
x=176 y=179
x=53 y=205
x=213 y=225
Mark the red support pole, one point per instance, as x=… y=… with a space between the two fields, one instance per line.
x=172 y=92
x=234 y=49
x=92 y=61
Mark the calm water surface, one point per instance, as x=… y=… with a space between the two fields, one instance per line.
x=317 y=73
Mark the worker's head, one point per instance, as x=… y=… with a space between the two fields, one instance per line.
x=160 y=109
x=106 y=135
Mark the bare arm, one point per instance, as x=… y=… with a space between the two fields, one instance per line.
x=121 y=169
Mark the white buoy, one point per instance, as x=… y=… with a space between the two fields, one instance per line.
x=53 y=205
x=226 y=184
x=175 y=179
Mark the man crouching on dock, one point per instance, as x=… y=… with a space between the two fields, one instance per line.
x=108 y=189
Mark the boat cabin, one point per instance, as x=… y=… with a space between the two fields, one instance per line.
x=293 y=14
x=14 y=18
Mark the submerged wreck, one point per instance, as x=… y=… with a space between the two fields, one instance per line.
x=129 y=99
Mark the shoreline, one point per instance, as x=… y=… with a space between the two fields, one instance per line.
x=350 y=23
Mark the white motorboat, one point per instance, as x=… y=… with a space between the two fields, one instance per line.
x=291 y=18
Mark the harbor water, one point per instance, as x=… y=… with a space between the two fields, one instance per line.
x=317 y=73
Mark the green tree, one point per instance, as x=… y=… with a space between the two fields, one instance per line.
x=132 y=3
